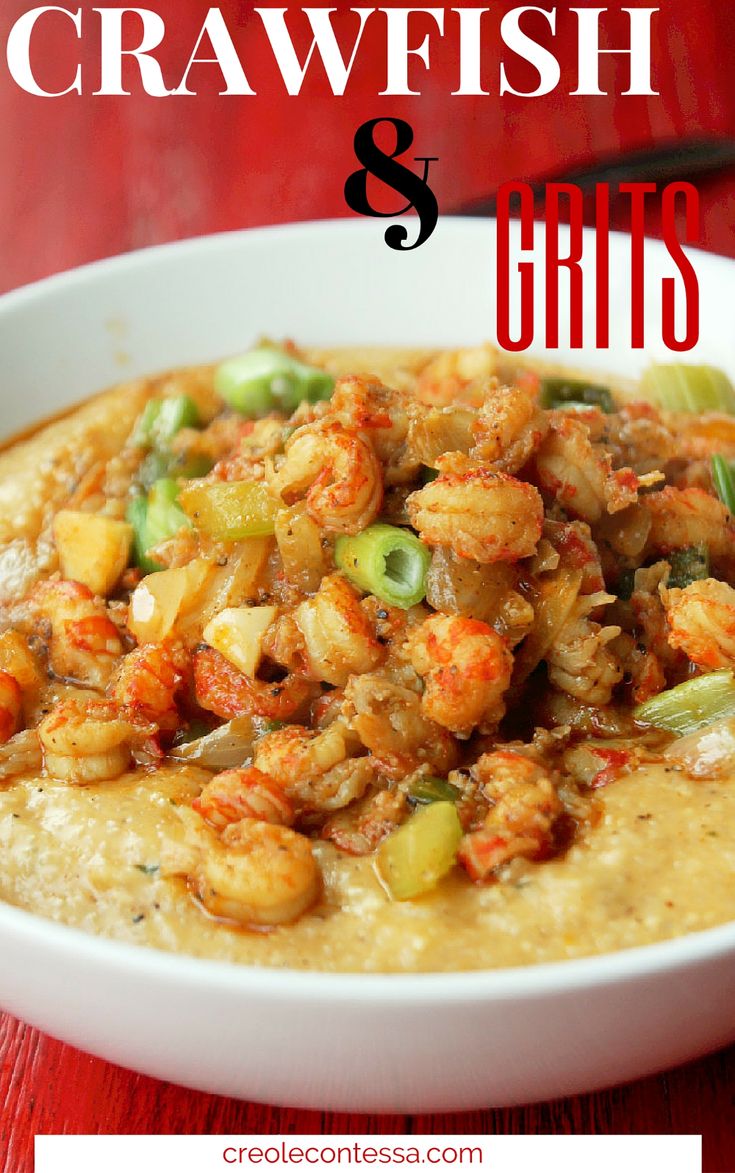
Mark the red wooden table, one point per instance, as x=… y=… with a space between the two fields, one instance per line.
x=89 y=177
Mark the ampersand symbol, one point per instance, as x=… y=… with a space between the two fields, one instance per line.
x=405 y=181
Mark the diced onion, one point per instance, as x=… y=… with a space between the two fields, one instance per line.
x=708 y=752
x=224 y=748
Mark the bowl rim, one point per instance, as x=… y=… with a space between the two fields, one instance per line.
x=222 y=241
x=153 y=964
x=565 y=976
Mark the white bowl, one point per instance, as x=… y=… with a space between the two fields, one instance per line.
x=357 y=1043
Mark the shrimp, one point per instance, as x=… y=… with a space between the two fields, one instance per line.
x=701 y=620
x=222 y=689
x=387 y=718
x=359 y=829
x=577 y=551
x=11 y=699
x=509 y=427
x=86 y=741
x=699 y=437
x=338 y=637
x=580 y=474
x=314 y=768
x=148 y=681
x=521 y=820
x=338 y=471
x=637 y=436
x=642 y=667
x=578 y=660
x=459 y=586
x=243 y=794
x=363 y=404
x=466 y=668
x=483 y=515
x=450 y=377
x=257 y=874
x=689 y=517
x=19 y=662
x=84 y=642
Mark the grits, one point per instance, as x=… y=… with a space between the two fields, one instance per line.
x=107 y=859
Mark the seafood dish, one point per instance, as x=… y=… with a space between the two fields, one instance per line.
x=373 y=660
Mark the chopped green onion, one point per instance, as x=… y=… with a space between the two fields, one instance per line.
x=161 y=419
x=427 y=474
x=724 y=481
x=154 y=519
x=429 y=789
x=165 y=515
x=413 y=859
x=693 y=389
x=560 y=392
x=137 y=515
x=386 y=561
x=688 y=565
x=267 y=379
x=176 y=465
x=691 y=705
x=230 y=510
x=273 y=726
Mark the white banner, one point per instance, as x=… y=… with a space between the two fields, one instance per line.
x=300 y=1154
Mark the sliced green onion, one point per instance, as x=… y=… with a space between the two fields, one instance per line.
x=693 y=389
x=267 y=379
x=413 y=859
x=691 y=705
x=386 y=561
x=560 y=392
x=161 y=419
x=724 y=481
x=155 y=519
x=165 y=515
x=230 y=510
x=430 y=789
x=688 y=565
x=137 y=515
x=427 y=474
x=158 y=464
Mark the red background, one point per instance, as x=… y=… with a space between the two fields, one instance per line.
x=83 y=178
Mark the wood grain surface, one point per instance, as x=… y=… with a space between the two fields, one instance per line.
x=89 y=177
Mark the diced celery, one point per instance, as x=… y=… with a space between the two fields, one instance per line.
x=230 y=510
x=413 y=859
x=692 y=389
x=691 y=705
